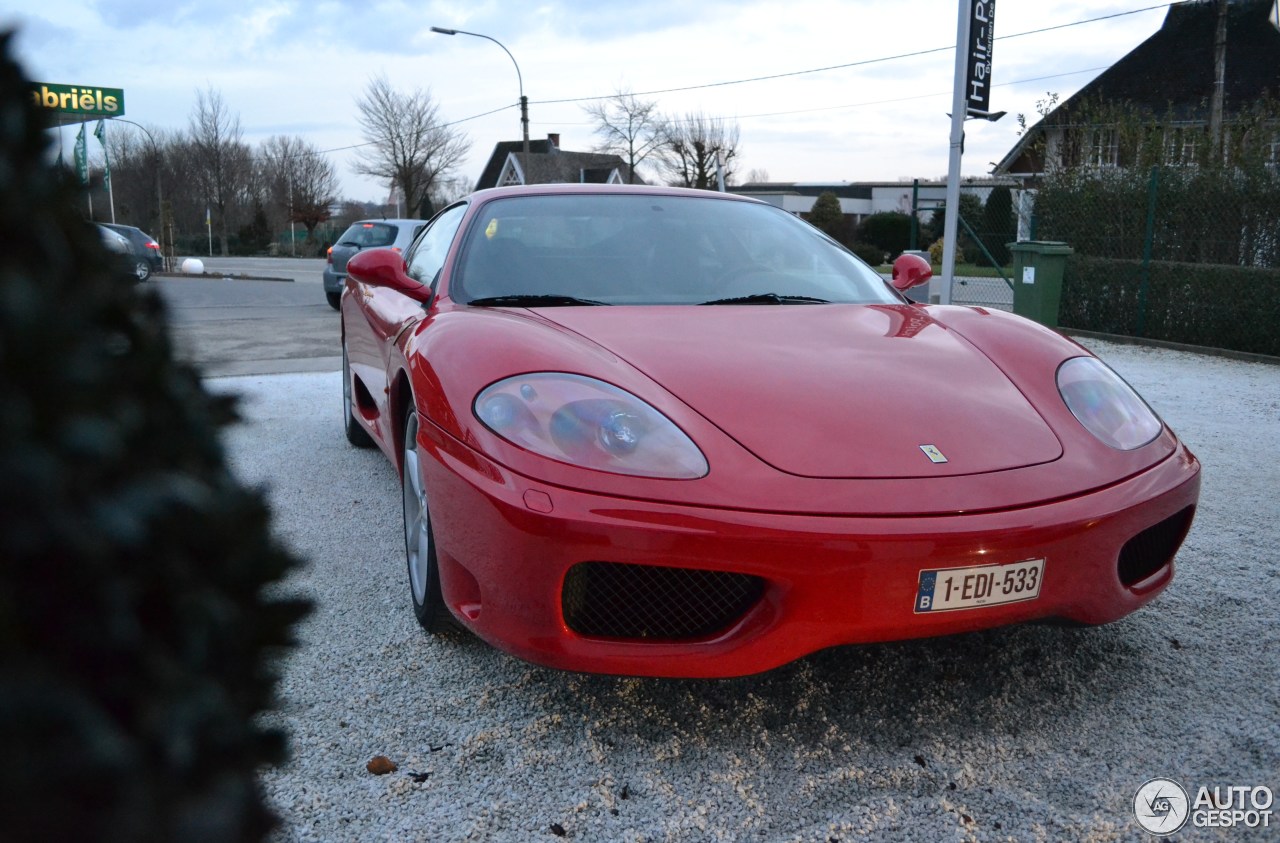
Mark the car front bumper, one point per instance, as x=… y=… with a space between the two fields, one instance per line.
x=508 y=547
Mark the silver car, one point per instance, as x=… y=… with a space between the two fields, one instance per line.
x=394 y=234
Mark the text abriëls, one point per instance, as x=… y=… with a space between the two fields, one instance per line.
x=82 y=99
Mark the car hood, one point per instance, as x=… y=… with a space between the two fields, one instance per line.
x=831 y=391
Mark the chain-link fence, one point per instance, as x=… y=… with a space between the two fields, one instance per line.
x=1183 y=254
x=985 y=228
x=984 y=242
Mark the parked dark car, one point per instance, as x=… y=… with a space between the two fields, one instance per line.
x=121 y=253
x=394 y=234
x=143 y=247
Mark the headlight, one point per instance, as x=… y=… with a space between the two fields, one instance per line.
x=1106 y=405
x=586 y=422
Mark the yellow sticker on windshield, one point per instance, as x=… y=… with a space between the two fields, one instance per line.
x=491 y=229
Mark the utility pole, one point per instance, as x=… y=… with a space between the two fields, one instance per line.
x=1219 y=82
x=951 y=221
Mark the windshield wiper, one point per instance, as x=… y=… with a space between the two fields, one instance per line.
x=769 y=298
x=531 y=300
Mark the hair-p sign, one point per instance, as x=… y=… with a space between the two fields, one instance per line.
x=982 y=36
x=80 y=100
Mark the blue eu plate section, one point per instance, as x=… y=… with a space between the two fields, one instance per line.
x=924 y=597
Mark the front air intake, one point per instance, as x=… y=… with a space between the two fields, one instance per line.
x=614 y=600
x=1154 y=547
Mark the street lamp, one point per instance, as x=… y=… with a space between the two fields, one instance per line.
x=524 y=101
x=155 y=151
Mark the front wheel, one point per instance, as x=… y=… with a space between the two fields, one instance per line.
x=419 y=540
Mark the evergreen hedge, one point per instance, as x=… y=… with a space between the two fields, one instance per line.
x=136 y=627
x=1212 y=305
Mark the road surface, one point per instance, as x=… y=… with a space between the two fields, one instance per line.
x=239 y=325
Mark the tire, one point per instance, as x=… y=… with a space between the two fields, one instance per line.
x=335 y=300
x=142 y=270
x=356 y=434
x=419 y=539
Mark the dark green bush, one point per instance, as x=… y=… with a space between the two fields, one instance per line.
x=1198 y=304
x=826 y=215
x=999 y=226
x=135 y=634
x=873 y=255
x=889 y=230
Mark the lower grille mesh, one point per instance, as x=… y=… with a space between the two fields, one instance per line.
x=1147 y=552
x=614 y=600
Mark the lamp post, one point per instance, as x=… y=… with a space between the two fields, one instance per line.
x=524 y=101
x=155 y=151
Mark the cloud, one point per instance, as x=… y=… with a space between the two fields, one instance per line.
x=297 y=67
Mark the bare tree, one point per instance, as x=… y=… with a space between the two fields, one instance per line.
x=757 y=175
x=409 y=147
x=449 y=190
x=300 y=181
x=221 y=162
x=692 y=147
x=136 y=161
x=630 y=128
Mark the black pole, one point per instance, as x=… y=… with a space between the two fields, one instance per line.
x=524 y=120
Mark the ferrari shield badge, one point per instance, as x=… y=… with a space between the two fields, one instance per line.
x=932 y=452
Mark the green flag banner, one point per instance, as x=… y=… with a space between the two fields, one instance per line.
x=82 y=156
x=101 y=134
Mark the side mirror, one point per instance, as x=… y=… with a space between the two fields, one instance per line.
x=385 y=268
x=908 y=271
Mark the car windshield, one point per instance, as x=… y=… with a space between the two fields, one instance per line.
x=636 y=248
x=368 y=235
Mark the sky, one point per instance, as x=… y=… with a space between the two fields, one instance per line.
x=861 y=88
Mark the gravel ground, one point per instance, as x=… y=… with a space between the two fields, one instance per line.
x=1030 y=733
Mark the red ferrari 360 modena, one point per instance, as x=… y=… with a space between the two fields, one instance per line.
x=665 y=432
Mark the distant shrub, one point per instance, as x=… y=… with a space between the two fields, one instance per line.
x=889 y=230
x=999 y=226
x=873 y=255
x=826 y=214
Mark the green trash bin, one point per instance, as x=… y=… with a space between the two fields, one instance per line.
x=1038 y=267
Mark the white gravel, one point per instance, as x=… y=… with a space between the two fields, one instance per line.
x=1030 y=733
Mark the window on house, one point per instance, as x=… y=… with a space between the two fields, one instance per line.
x=1104 y=148
x=1181 y=146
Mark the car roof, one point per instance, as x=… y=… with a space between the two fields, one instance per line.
x=392 y=221
x=606 y=189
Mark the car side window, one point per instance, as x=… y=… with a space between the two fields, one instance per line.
x=428 y=253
